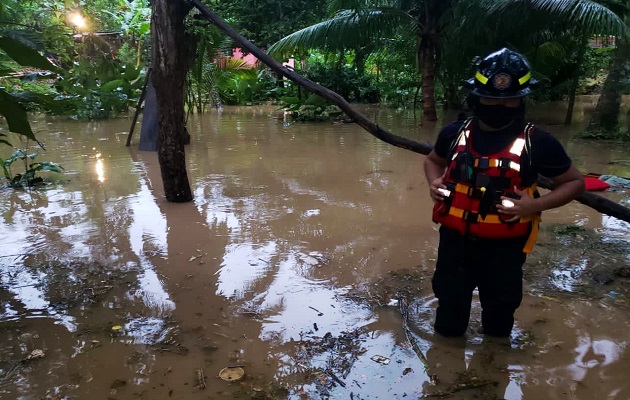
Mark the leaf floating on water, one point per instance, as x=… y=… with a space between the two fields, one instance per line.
x=551 y=298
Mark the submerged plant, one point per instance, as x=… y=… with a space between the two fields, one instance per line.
x=313 y=108
x=27 y=178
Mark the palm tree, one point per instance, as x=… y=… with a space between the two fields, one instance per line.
x=212 y=73
x=361 y=24
x=449 y=32
x=605 y=120
x=526 y=22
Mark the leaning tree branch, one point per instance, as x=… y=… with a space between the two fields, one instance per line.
x=599 y=203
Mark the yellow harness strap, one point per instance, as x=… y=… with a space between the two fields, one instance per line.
x=490 y=219
x=533 y=235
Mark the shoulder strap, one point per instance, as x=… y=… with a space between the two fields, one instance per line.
x=529 y=128
x=454 y=143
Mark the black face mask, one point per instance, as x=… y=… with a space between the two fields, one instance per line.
x=498 y=116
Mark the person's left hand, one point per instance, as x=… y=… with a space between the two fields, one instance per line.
x=522 y=207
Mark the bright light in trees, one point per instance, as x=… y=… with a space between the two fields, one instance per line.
x=77 y=20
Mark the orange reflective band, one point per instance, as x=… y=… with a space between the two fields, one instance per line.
x=494 y=163
x=461 y=188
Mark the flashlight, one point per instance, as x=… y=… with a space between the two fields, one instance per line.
x=507 y=203
x=444 y=192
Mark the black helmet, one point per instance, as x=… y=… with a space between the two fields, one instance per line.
x=502 y=74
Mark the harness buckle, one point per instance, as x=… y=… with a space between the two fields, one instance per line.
x=474 y=193
x=483 y=163
x=469 y=216
x=505 y=163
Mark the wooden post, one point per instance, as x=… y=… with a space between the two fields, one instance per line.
x=138 y=107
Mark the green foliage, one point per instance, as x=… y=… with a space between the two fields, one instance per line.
x=29 y=177
x=100 y=88
x=265 y=22
x=613 y=134
x=344 y=79
x=367 y=50
x=15 y=115
x=313 y=108
x=13 y=109
x=91 y=87
x=10 y=104
x=132 y=17
x=25 y=55
x=249 y=87
x=595 y=69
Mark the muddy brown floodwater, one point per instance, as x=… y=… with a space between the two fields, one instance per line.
x=301 y=248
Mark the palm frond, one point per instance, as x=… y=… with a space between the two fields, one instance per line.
x=591 y=16
x=347 y=29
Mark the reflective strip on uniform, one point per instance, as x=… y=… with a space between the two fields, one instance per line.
x=494 y=163
x=515 y=166
x=518 y=146
x=461 y=141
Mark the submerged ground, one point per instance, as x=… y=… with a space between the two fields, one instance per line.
x=305 y=259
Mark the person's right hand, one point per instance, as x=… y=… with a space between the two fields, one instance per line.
x=433 y=190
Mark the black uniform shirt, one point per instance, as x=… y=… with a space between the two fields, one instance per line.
x=548 y=157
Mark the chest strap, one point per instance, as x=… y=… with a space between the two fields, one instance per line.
x=473 y=217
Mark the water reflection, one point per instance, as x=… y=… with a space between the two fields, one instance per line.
x=30 y=295
x=273 y=267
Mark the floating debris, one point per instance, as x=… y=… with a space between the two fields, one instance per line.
x=623 y=272
x=319 y=313
x=313 y=259
x=231 y=374
x=35 y=354
x=380 y=359
x=200 y=379
x=603 y=279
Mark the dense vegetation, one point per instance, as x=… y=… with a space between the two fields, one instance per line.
x=396 y=52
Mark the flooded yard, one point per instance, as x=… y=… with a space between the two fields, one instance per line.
x=304 y=261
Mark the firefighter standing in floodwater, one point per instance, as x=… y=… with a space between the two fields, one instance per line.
x=482 y=174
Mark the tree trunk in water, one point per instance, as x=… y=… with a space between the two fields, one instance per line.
x=576 y=80
x=606 y=117
x=427 y=58
x=171 y=58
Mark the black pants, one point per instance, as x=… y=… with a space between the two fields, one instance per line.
x=493 y=266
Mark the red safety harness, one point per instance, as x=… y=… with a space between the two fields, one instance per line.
x=475 y=185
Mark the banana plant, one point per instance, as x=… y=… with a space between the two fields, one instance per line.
x=11 y=107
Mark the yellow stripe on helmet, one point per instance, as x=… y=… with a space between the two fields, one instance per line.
x=481 y=78
x=525 y=78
